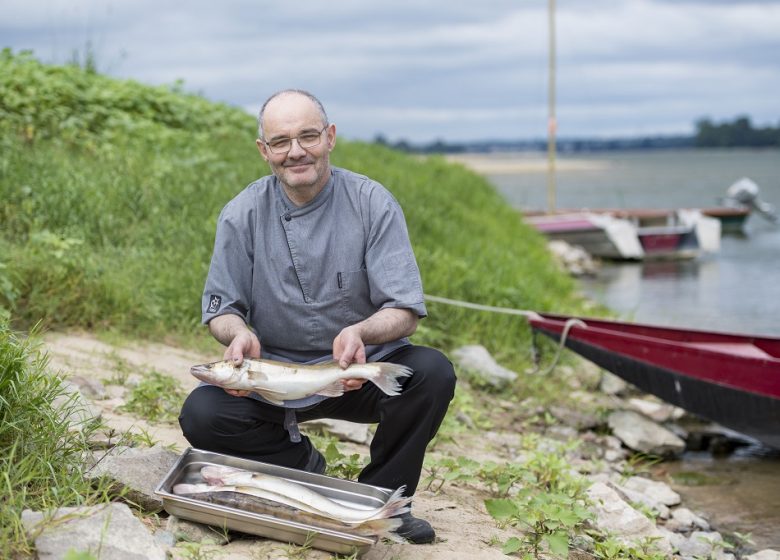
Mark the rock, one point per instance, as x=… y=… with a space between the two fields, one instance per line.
x=573 y=258
x=165 y=538
x=466 y=420
x=684 y=520
x=343 y=430
x=658 y=491
x=641 y=434
x=657 y=411
x=616 y=516
x=699 y=544
x=74 y=407
x=636 y=497
x=611 y=384
x=191 y=531
x=137 y=470
x=111 y=530
x=477 y=359
x=577 y=419
x=767 y=554
x=89 y=387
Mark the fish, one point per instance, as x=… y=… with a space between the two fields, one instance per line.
x=302 y=497
x=246 y=499
x=283 y=381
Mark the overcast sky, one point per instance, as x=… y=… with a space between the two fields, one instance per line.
x=437 y=69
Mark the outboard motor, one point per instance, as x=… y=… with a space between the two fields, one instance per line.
x=746 y=193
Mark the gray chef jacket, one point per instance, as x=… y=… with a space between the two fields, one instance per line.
x=299 y=275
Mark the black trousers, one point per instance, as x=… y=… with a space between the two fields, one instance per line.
x=213 y=420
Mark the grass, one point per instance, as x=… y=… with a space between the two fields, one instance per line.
x=109 y=195
x=42 y=453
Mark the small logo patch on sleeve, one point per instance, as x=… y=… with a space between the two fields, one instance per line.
x=214 y=303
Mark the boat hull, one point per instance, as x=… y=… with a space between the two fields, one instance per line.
x=696 y=371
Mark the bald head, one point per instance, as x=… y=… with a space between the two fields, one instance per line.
x=289 y=92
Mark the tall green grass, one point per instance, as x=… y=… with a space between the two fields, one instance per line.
x=109 y=193
x=42 y=456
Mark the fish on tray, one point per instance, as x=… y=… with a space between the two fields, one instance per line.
x=281 y=381
x=247 y=487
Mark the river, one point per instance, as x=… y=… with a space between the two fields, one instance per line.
x=735 y=290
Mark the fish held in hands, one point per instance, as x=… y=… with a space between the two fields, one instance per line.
x=282 y=381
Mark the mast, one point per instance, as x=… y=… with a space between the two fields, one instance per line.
x=551 y=120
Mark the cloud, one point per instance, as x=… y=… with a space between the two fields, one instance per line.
x=439 y=69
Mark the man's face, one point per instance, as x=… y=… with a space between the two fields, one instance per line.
x=302 y=171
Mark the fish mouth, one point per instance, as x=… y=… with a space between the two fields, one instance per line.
x=200 y=371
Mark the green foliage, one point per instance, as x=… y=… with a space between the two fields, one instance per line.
x=76 y=105
x=548 y=509
x=157 y=398
x=612 y=549
x=739 y=133
x=539 y=496
x=41 y=451
x=339 y=464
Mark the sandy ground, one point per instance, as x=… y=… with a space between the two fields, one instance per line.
x=513 y=163
x=464 y=528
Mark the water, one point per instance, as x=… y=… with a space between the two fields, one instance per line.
x=733 y=291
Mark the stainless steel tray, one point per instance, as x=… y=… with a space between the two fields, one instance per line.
x=187 y=470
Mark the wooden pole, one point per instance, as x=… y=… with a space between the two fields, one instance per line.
x=551 y=120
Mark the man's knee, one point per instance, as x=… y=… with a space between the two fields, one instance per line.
x=435 y=372
x=198 y=417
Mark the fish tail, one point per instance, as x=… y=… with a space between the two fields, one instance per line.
x=388 y=377
x=395 y=505
x=385 y=528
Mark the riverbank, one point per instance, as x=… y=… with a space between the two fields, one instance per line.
x=483 y=428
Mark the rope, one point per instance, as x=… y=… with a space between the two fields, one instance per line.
x=511 y=311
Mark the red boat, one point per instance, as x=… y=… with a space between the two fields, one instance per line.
x=731 y=379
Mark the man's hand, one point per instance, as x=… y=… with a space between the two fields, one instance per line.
x=348 y=348
x=243 y=343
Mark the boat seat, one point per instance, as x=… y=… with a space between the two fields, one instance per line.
x=746 y=349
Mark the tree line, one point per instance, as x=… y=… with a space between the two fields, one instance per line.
x=727 y=134
x=739 y=133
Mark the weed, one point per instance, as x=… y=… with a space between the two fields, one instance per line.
x=299 y=552
x=121 y=368
x=638 y=464
x=609 y=548
x=338 y=464
x=157 y=398
x=195 y=551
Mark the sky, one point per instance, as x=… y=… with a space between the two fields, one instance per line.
x=452 y=70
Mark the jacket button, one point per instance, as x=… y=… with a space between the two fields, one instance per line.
x=287 y=217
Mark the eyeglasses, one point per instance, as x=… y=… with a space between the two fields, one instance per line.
x=305 y=140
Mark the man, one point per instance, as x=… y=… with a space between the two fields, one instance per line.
x=311 y=264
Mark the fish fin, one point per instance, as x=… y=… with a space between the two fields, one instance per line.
x=275 y=397
x=335 y=389
x=388 y=376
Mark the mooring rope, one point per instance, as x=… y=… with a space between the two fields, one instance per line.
x=511 y=311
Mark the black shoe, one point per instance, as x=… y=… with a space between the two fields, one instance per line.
x=414 y=530
x=316 y=462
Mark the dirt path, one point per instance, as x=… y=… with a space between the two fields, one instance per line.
x=464 y=528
